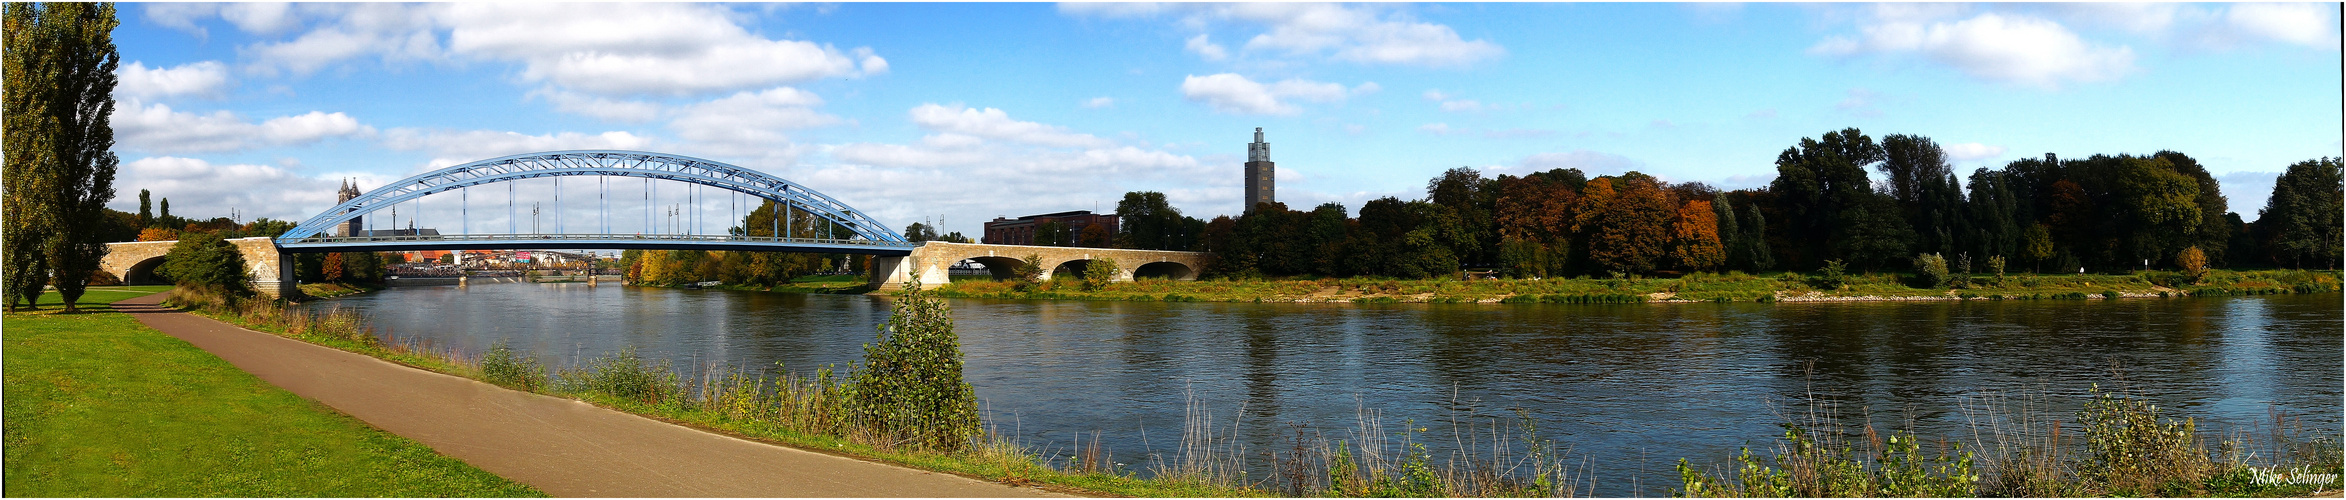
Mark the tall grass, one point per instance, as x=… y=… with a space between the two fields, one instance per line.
x=2115 y=445
x=1487 y=456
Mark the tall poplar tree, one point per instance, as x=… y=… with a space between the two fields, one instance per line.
x=81 y=38
x=27 y=139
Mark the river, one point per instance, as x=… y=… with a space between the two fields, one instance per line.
x=1630 y=387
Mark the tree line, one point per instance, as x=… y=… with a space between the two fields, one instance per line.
x=675 y=267
x=1826 y=207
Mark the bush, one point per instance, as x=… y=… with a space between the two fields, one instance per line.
x=1098 y=273
x=909 y=387
x=207 y=262
x=1030 y=272
x=626 y=375
x=2130 y=451
x=502 y=366
x=1832 y=276
x=1996 y=265
x=1930 y=271
x=2193 y=263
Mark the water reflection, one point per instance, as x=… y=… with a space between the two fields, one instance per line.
x=1634 y=386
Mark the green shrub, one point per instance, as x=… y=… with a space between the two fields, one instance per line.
x=1098 y=273
x=1930 y=271
x=625 y=375
x=502 y=366
x=2130 y=451
x=909 y=387
x=1831 y=277
x=1030 y=273
x=205 y=261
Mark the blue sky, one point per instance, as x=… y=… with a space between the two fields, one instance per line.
x=968 y=111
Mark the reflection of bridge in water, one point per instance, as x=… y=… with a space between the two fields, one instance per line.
x=857 y=233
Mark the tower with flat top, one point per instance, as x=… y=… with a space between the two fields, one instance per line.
x=1259 y=172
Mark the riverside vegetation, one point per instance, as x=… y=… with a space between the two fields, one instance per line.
x=2116 y=445
x=1829 y=283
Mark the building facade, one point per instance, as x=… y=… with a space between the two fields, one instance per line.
x=1070 y=225
x=1259 y=173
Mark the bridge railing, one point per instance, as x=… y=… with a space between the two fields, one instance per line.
x=615 y=238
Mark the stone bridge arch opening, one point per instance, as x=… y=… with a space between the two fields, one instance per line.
x=1164 y=270
x=997 y=267
x=1072 y=268
x=145 y=272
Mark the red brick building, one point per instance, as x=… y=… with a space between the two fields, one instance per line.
x=1071 y=226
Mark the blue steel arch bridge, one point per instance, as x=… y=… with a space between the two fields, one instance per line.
x=862 y=234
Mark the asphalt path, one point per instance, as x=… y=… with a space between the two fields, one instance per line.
x=563 y=447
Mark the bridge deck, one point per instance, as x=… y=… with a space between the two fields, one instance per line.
x=592 y=241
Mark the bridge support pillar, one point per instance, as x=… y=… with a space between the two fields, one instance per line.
x=288 y=284
x=890 y=273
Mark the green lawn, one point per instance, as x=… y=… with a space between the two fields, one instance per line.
x=99 y=405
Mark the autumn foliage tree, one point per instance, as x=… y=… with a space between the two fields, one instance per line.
x=1629 y=227
x=1697 y=244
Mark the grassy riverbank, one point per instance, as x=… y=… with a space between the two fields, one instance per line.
x=735 y=403
x=841 y=284
x=1698 y=287
x=332 y=290
x=1501 y=456
x=2116 y=445
x=100 y=405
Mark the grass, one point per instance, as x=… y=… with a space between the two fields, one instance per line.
x=826 y=284
x=100 y=405
x=331 y=290
x=1695 y=287
x=2115 y=445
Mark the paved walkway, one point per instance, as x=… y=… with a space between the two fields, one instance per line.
x=563 y=447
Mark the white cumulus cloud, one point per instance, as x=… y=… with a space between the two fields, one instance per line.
x=2309 y=24
x=141 y=126
x=451 y=147
x=1973 y=151
x=203 y=78
x=994 y=123
x=1232 y=93
x=1996 y=47
x=607 y=50
x=1206 y=49
x=752 y=124
x=199 y=188
x=1365 y=34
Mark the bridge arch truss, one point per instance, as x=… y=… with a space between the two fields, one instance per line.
x=313 y=235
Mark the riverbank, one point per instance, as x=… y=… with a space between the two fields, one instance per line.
x=1052 y=352
x=1698 y=287
x=708 y=401
x=332 y=290
x=99 y=405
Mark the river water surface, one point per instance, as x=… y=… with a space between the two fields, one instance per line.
x=1630 y=387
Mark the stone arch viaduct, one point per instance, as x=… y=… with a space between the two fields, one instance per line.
x=135 y=263
x=934 y=258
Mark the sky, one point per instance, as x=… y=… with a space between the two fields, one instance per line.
x=958 y=113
